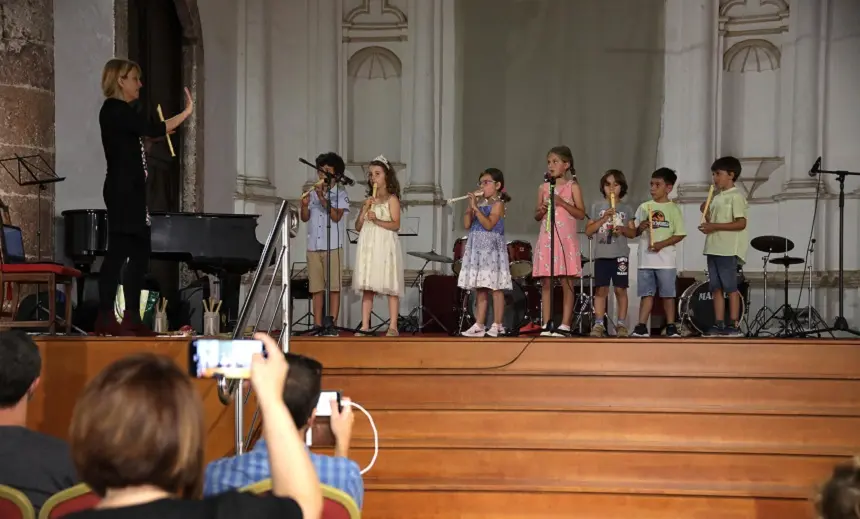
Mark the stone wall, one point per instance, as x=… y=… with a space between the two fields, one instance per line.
x=27 y=109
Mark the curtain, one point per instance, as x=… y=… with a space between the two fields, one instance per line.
x=541 y=73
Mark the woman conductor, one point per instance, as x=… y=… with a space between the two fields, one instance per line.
x=123 y=132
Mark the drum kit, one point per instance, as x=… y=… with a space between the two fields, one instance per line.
x=522 y=303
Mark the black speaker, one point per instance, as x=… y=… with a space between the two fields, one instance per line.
x=190 y=310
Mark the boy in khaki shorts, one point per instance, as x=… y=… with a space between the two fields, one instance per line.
x=316 y=207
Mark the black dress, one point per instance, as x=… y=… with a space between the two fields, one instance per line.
x=123 y=130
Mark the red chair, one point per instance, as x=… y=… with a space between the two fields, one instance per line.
x=51 y=274
x=15 y=505
x=79 y=497
x=337 y=504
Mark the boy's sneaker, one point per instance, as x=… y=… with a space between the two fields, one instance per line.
x=598 y=330
x=715 y=331
x=621 y=330
x=641 y=331
x=496 y=330
x=475 y=331
x=672 y=330
x=732 y=331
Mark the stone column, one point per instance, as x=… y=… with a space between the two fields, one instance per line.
x=27 y=104
x=805 y=33
x=422 y=162
x=253 y=178
x=326 y=87
x=688 y=137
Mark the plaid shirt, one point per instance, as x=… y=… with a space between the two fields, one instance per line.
x=253 y=466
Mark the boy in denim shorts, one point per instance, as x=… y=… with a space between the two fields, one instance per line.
x=660 y=226
x=611 y=227
x=725 y=245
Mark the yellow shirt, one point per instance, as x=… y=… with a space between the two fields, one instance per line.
x=726 y=207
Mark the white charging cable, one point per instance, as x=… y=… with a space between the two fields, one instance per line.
x=375 y=434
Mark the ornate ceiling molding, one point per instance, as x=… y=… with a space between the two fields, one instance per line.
x=389 y=17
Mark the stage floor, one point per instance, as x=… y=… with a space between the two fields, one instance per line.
x=523 y=427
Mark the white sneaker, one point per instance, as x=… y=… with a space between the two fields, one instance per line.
x=475 y=331
x=546 y=331
x=496 y=330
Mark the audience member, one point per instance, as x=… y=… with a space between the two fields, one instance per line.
x=137 y=438
x=301 y=394
x=840 y=495
x=34 y=463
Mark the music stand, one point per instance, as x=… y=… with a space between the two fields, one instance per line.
x=33 y=170
x=300 y=289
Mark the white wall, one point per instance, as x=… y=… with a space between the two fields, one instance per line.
x=220 y=48
x=83 y=41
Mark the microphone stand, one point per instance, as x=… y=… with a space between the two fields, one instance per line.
x=551 y=326
x=840 y=324
x=328 y=328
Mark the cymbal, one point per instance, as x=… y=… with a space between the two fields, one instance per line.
x=785 y=261
x=772 y=244
x=431 y=256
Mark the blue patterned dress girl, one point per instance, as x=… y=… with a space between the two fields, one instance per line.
x=485 y=266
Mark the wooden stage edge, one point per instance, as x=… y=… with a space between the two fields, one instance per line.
x=489 y=428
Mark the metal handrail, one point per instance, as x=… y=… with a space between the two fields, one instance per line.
x=285 y=227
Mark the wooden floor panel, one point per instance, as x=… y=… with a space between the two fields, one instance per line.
x=583 y=393
x=738 y=475
x=552 y=430
x=519 y=505
x=547 y=428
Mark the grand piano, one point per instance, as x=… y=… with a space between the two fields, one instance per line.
x=224 y=245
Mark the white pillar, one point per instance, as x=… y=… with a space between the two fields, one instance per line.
x=687 y=143
x=326 y=86
x=422 y=162
x=254 y=177
x=805 y=33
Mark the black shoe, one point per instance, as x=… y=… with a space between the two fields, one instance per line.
x=672 y=330
x=732 y=331
x=640 y=331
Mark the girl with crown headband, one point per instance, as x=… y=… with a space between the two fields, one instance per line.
x=379 y=259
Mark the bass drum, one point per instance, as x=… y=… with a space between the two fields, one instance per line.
x=696 y=306
x=515 y=308
x=459 y=250
x=520 y=258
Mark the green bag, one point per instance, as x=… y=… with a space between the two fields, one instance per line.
x=148 y=300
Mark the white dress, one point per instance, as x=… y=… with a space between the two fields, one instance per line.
x=378 y=260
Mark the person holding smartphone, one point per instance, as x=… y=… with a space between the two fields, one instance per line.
x=140 y=447
x=301 y=394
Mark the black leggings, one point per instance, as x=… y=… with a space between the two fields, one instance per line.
x=136 y=249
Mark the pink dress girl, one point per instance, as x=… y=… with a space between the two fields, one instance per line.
x=567 y=261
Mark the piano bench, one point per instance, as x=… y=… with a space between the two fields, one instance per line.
x=18 y=274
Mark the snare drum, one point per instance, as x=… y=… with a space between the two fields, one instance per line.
x=696 y=306
x=520 y=257
x=459 y=251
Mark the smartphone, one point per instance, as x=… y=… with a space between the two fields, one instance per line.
x=321 y=435
x=324 y=403
x=209 y=358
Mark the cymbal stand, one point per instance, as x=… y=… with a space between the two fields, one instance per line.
x=790 y=325
x=585 y=303
x=764 y=312
x=420 y=309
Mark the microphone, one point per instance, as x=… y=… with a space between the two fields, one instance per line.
x=548 y=178
x=343 y=179
x=816 y=168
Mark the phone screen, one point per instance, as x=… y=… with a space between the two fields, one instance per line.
x=208 y=358
x=324 y=402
